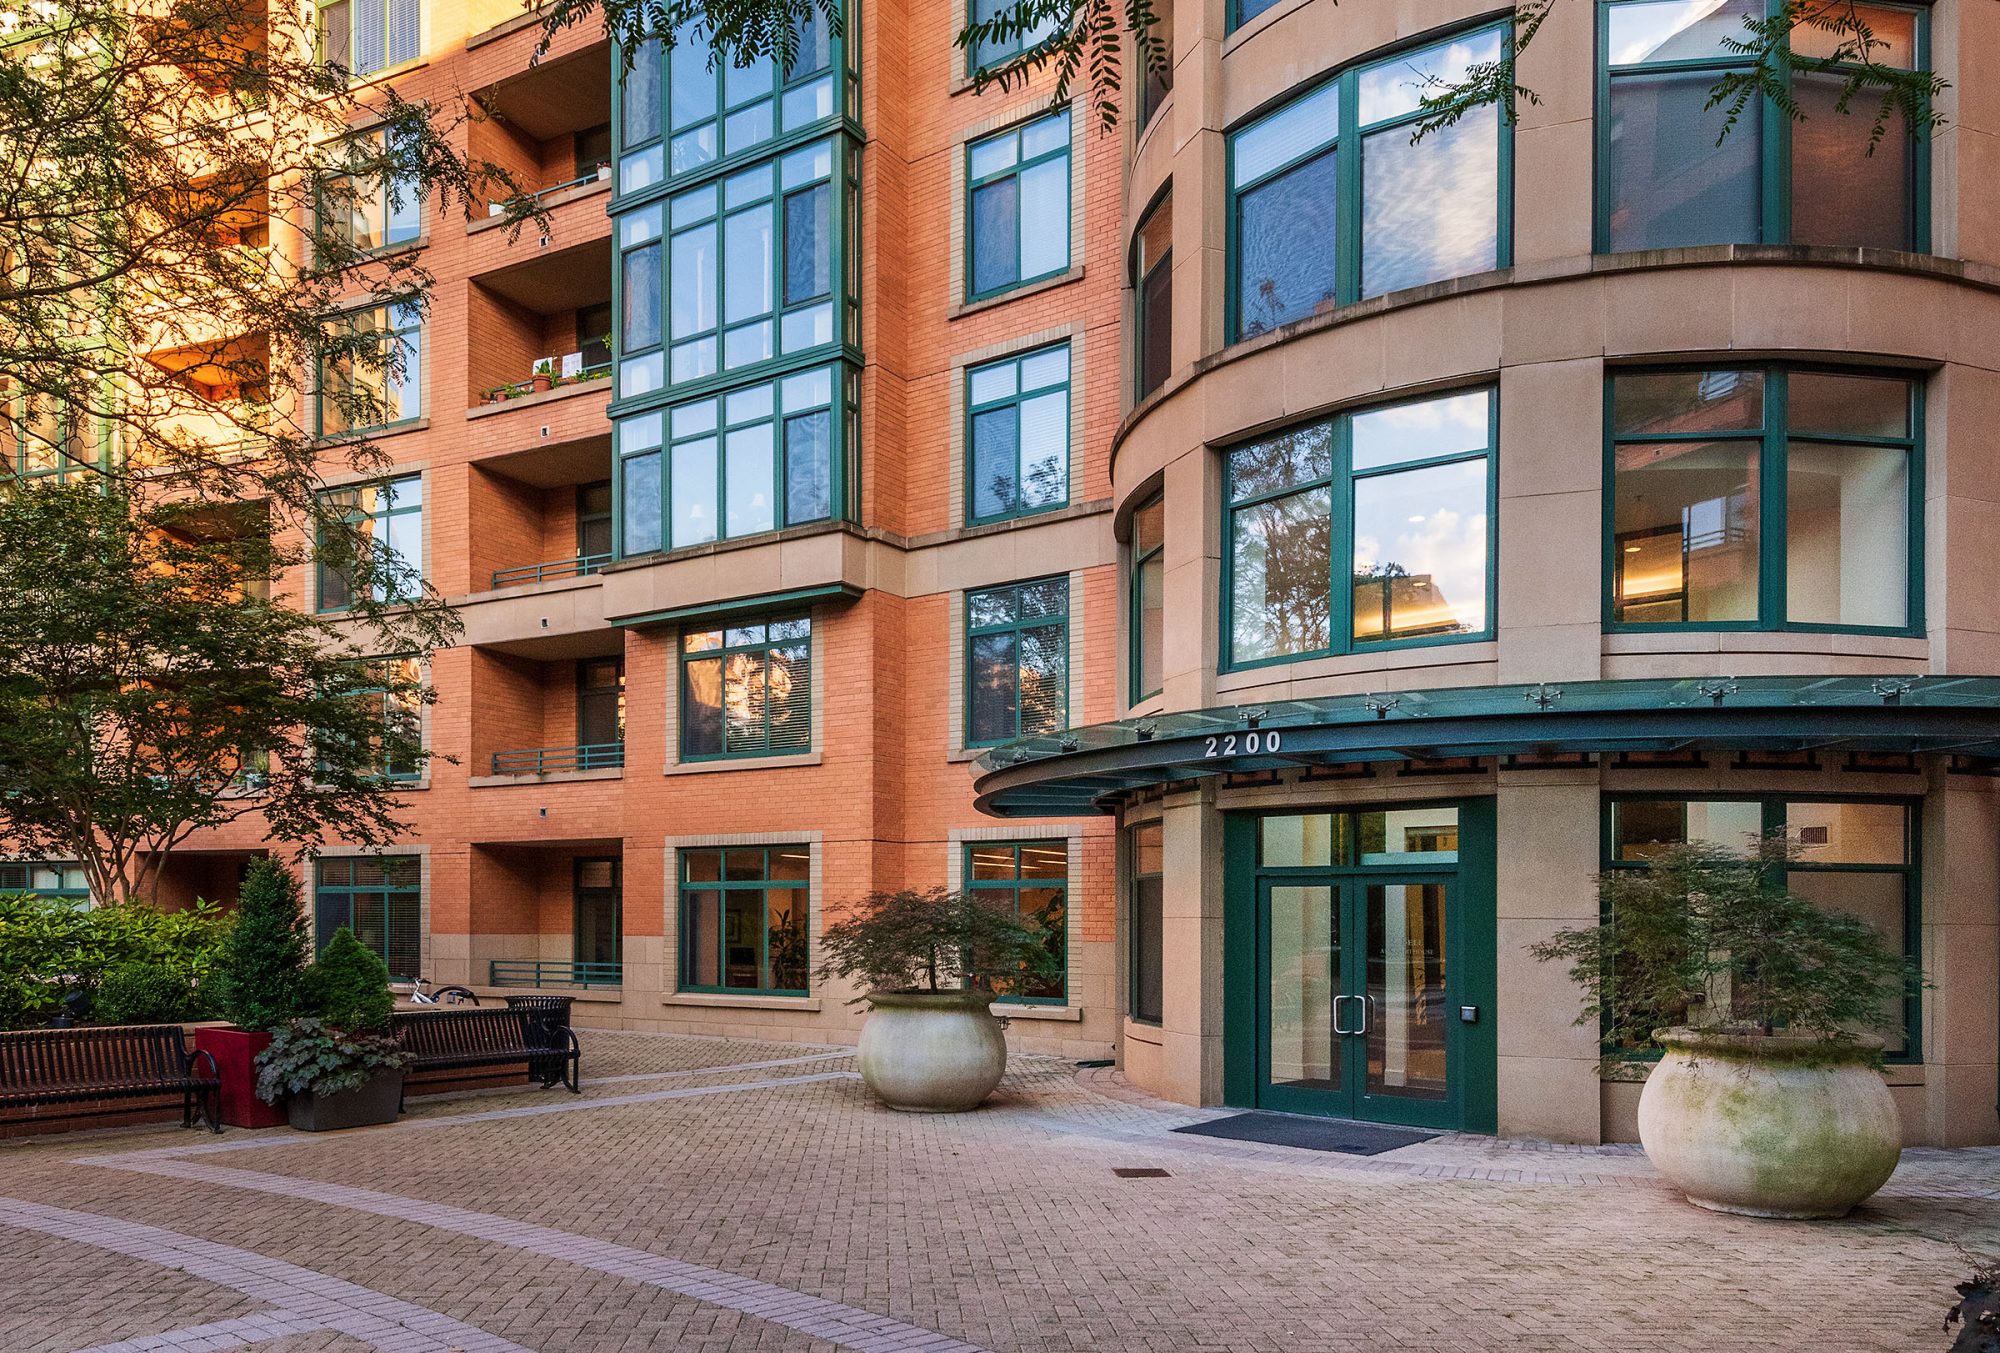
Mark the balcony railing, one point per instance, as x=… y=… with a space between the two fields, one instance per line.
x=580 y=567
x=553 y=760
x=534 y=972
x=568 y=370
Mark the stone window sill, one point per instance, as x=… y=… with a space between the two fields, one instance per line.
x=1067 y=1013
x=715 y=1000
x=743 y=763
x=961 y=310
x=554 y=777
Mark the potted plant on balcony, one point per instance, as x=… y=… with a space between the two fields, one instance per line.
x=339 y=1067
x=260 y=978
x=933 y=961
x=1767 y=1099
x=544 y=376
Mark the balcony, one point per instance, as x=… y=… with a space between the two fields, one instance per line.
x=559 y=760
x=545 y=516
x=534 y=972
x=545 y=716
x=556 y=373
x=580 y=567
x=547 y=913
x=549 y=125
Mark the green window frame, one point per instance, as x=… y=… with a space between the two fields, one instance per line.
x=38 y=441
x=1764 y=814
x=688 y=111
x=1030 y=879
x=1762 y=154
x=1153 y=298
x=1764 y=442
x=1145 y=602
x=378 y=897
x=1243 y=11
x=367 y=36
x=1017 y=661
x=1017 y=435
x=1017 y=206
x=987 y=55
x=1341 y=226
x=45 y=878
x=402 y=709
x=594 y=518
x=745 y=463
x=361 y=202
x=746 y=689
x=1146 y=954
x=352 y=393
x=1337 y=487
x=388 y=515
x=745 y=919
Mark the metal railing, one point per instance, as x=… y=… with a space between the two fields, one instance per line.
x=582 y=566
x=547 y=760
x=535 y=972
x=597 y=174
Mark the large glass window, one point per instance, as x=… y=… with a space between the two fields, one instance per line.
x=1153 y=285
x=731 y=465
x=370 y=370
x=1321 y=219
x=1031 y=880
x=1017 y=661
x=45 y=878
x=366 y=36
x=371 y=208
x=1017 y=206
x=379 y=898
x=388 y=518
x=988 y=54
x=1148 y=925
x=746 y=689
x=1146 y=607
x=1403 y=492
x=1764 y=499
x=743 y=919
x=1856 y=857
x=1017 y=412
x=1670 y=177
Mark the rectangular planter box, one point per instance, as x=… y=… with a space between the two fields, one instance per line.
x=375 y=1101
x=235 y=1053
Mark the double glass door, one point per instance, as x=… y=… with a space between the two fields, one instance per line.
x=1357 y=1003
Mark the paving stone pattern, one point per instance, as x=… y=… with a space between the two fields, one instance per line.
x=710 y=1195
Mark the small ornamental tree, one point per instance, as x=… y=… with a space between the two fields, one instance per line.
x=348 y=988
x=936 y=940
x=1713 y=939
x=261 y=975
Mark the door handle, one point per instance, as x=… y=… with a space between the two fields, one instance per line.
x=1337 y=1027
x=1367 y=1013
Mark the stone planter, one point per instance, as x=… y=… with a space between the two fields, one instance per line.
x=932 y=1051
x=375 y=1100
x=1769 y=1125
x=235 y=1052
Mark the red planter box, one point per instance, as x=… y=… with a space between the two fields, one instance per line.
x=235 y=1053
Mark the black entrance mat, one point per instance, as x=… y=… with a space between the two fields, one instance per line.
x=1314 y=1134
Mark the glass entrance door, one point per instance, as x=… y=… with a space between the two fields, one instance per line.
x=1357 y=997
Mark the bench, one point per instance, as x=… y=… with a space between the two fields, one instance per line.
x=86 y=1066
x=459 y=1039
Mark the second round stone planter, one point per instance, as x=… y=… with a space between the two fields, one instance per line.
x=931 y=1051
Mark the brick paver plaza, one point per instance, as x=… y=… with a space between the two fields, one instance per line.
x=708 y=1194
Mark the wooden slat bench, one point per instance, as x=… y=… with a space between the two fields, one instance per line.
x=459 y=1039
x=89 y=1066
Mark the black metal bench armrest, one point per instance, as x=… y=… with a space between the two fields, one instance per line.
x=203 y=1055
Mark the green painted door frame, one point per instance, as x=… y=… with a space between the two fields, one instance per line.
x=1470 y=960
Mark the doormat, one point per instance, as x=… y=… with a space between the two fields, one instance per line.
x=1312 y=1134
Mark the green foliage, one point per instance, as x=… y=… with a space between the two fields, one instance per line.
x=261 y=976
x=348 y=988
x=936 y=940
x=1902 y=98
x=317 y=1056
x=139 y=993
x=51 y=946
x=1713 y=939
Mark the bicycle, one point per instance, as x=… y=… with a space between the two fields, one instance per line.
x=420 y=994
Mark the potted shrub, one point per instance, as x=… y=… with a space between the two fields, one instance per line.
x=1767 y=1099
x=260 y=978
x=933 y=962
x=544 y=376
x=339 y=1067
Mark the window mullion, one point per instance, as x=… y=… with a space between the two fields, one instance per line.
x=1340 y=554
x=1347 y=193
x=1773 y=551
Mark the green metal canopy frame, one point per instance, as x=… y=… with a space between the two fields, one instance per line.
x=1085 y=770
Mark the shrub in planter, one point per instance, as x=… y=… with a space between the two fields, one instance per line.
x=1767 y=1098
x=349 y=986
x=331 y=1077
x=260 y=984
x=933 y=961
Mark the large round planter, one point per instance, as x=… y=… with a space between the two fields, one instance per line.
x=932 y=1051
x=1769 y=1125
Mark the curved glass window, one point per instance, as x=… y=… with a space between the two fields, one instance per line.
x=1333 y=198
x=1669 y=177
x=1764 y=499
x=1402 y=494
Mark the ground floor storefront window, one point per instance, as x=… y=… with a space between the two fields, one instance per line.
x=743 y=919
x=379 y=898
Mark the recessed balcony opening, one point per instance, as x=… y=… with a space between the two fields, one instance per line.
x=215 y=49
x=550 y=126
x=213 y=396
x=548 y=914
x=543 y=324
x=549 y=709
x=544 y=514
